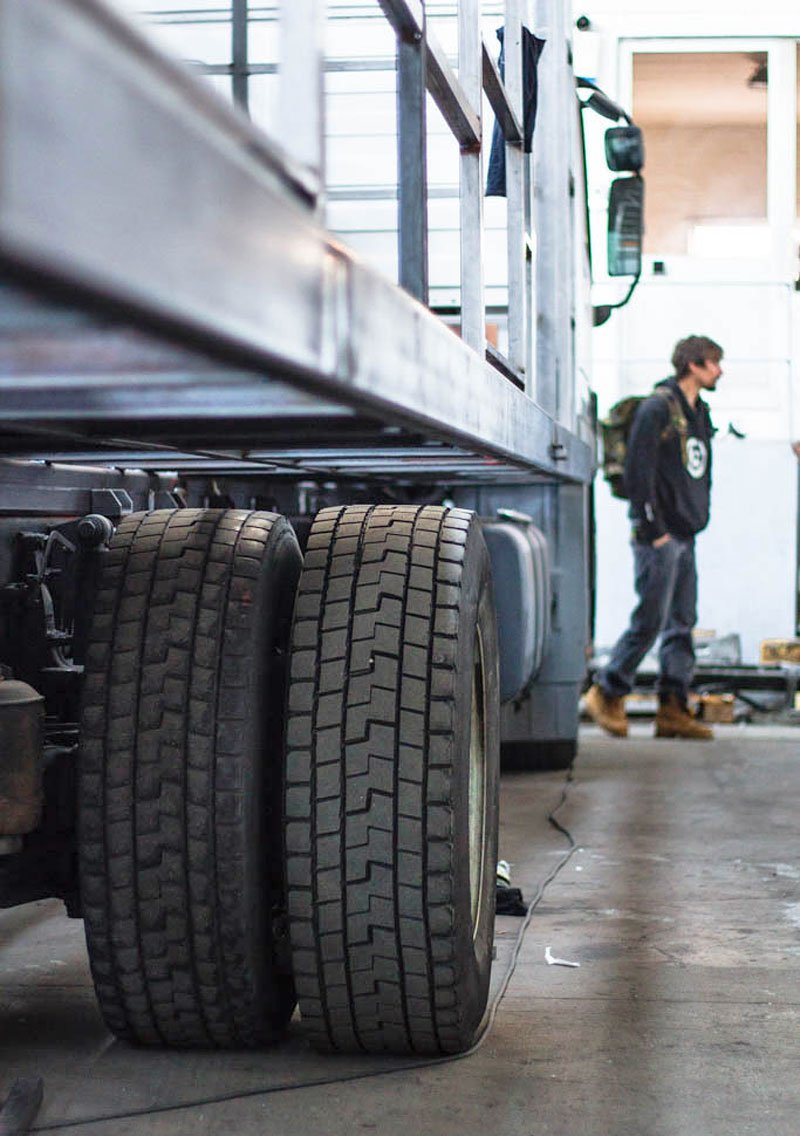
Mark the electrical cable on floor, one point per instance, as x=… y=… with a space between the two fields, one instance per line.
x=512 y=966
x=426 y=1063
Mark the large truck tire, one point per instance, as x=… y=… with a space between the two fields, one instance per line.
x=391 y=780
x=180 y=835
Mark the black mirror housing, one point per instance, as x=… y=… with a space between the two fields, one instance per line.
x=624 y=149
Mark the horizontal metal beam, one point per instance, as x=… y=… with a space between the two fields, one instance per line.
x=440 y=464
x=499 y=100
x=446 y=474
x=734 y=678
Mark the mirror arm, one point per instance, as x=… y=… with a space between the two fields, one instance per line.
x=602 y=312
x=600 y=102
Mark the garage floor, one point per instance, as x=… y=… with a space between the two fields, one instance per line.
x=680 y=901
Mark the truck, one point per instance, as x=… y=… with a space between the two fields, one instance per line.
x=286 y=565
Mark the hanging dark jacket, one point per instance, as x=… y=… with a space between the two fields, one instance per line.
x=667 y=476
x=532 y=48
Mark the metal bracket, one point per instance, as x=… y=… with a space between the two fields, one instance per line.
x=111 y=503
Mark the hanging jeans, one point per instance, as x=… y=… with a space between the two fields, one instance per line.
x=666 y=584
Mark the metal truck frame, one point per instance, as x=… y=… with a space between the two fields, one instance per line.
x=261 y=777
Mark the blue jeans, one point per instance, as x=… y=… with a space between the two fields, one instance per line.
x=666 y=584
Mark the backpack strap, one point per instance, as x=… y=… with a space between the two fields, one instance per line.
x=677 y=421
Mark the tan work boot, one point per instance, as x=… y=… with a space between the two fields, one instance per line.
x=606 y=711
x=673 y=720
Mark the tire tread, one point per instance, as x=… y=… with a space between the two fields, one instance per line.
x=369 y=815
x=162 y=827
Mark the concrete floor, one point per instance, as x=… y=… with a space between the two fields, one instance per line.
x=681 y=903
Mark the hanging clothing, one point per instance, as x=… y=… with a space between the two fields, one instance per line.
x=532 y=48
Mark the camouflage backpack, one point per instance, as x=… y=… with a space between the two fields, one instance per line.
x=616 y=428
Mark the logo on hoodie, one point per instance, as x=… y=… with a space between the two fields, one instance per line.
x=696 y=458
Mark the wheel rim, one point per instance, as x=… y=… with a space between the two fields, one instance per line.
x=477 y=783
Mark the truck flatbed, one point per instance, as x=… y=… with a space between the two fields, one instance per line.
x=156 y=209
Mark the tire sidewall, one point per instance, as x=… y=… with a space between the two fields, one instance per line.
x=474 y=953
x=267 y=624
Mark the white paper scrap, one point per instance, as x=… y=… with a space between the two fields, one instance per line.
x=551 y=960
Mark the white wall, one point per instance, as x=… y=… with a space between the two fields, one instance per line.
x=688 y=18
x=745 y=557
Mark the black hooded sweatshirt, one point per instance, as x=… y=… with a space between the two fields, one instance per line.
x=669 y=484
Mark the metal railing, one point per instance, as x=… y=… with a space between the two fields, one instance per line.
x=423 y=66
x=161 y=209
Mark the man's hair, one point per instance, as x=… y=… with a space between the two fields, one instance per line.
x=694 y=349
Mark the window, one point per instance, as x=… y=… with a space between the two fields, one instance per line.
x=704 y=116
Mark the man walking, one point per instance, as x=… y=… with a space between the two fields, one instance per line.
x=668 y=480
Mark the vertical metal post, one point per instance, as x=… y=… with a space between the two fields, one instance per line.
x=529 y=237
x=529 y=253
x=782 y=118
x=412 y=167
x=301 y=97
x=239 y=53
x=518 y=209
x=550 y=204
x=470 y=74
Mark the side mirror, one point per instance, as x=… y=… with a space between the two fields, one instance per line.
x=625 y=226
x=624 y=149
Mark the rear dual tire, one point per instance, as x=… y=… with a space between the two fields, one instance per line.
x=391 y=780
x=179 y=778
